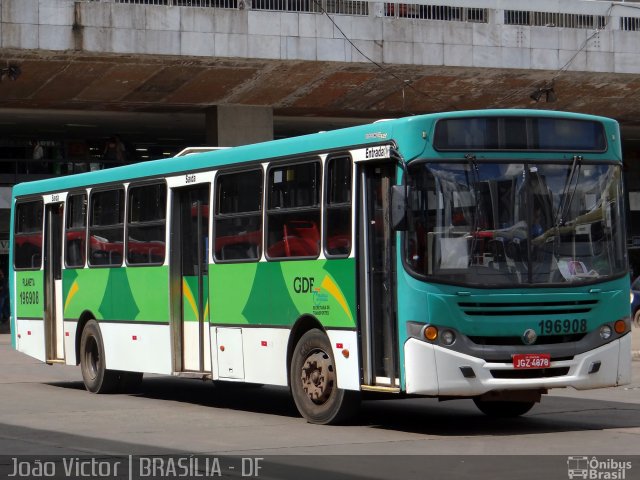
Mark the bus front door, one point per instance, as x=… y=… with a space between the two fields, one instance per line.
x=190 y=280
x=53 y=313
x=377 y=277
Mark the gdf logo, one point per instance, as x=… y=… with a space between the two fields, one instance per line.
x=303 y=284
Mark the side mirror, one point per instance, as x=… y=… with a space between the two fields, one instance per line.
x=399 y=208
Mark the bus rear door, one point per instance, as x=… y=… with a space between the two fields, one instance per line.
x=53 y=313
x=189 y=279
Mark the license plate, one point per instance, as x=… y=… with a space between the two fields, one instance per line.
x=532 y=360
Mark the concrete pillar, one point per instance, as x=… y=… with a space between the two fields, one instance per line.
x=233 y=125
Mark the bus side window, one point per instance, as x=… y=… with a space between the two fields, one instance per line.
x=28 y=235
x=76 y=230
x=293 y=215
x=146 y=224
x=106 y=228
x=337 y=218
x=238 y=216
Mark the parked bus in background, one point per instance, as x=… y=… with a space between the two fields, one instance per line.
x=476 y=254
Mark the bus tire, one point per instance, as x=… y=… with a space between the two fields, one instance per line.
x=97 y=379
x=503 y=409
x=314 y=383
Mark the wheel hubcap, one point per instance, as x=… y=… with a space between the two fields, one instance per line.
x=318 y=377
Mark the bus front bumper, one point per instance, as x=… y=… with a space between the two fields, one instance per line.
x=436 y=371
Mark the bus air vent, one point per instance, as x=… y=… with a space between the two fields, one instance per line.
x=542 y=340
x=479 y=309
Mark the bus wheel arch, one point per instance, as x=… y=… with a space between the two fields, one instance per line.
x=313 y=381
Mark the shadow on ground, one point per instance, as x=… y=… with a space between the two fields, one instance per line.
x=27 y=445
x=412 y=415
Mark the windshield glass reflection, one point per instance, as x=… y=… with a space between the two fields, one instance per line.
x=508 y=224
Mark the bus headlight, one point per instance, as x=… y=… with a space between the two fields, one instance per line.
x=605 y=332
x=448 y=337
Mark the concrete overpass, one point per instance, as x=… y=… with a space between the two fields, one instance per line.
x=159 y=67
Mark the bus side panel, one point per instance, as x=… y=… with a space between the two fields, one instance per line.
x=137 y=347
x=12 y=280
x=70 y=329
x=30 y=338
x=29 y=315
x=265 y=355
x=277 y=294
x=132 y=306
x=344 y=344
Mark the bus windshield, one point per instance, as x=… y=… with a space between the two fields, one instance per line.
x=506 y=224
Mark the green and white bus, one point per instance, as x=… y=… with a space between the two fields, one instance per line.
x=474 y=254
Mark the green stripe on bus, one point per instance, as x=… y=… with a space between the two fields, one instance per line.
x=139 y=293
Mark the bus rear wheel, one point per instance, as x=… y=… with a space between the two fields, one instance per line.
x=503 y=409
x=314 y=384
x=97 y=379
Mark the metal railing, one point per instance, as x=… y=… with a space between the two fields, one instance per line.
x=593 y=18
x=346 y=7
x=554 y=19
x=630 y=24
x=176 y=3
x=436 y=12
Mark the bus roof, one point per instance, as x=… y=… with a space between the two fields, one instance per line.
x=402 y=130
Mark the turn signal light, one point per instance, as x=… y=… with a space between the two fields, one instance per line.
x=431 y=333
x=620 y=326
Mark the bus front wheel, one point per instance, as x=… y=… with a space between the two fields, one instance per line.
x=503 y=409
x=97 y=379
x=314 y=383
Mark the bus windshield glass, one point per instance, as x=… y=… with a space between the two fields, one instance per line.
x=508 y=224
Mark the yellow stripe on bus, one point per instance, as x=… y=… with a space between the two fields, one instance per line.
x=189 y=296
x=72 y=291
x=330 y=286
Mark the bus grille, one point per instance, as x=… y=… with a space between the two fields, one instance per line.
x=480 y=309
x=517 y=341
x=533 y=373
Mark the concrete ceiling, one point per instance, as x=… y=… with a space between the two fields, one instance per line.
x=81 y=95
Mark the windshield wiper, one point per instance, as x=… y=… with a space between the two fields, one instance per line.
x=476 y=194
x=564 y=204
